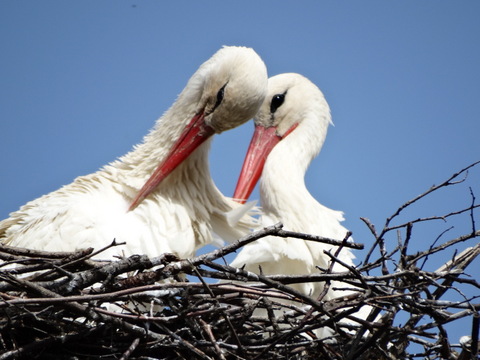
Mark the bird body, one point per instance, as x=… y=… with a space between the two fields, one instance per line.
x=290 y=130
x=159 y=197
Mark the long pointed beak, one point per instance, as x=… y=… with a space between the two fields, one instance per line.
x=191 y=138
x=263 y=141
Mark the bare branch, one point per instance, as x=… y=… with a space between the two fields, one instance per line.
x=138 y=307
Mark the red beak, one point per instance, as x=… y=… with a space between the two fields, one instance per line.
x=263 y=141
x=191 y=138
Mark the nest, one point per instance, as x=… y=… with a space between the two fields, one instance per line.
x=68 y=306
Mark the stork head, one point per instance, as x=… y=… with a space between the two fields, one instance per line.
x=234 y=85
x=226 y=91
x=292 y=102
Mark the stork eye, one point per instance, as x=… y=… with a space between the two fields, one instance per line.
x=277 y=101
x=220 y=96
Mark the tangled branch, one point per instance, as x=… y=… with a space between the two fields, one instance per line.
x=67 y=305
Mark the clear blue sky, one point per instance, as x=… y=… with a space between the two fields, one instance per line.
x=82 y=82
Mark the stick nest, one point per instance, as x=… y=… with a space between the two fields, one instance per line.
x=69 y=306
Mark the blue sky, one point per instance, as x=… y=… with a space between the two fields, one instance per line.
x=82 y=82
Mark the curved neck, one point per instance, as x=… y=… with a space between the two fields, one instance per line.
x=145 y=157
x=189 y=181
x=282 y=187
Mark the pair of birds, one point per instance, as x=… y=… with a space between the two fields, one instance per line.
x=160 y=197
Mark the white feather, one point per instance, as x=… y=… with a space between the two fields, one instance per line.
x=284 y=196
x=180 y=215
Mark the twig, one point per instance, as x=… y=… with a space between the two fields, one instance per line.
x=130 y=349
x=138 y=307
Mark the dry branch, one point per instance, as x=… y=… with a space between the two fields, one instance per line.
x=66 y=305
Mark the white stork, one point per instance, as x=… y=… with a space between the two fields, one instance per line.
x=290 y=129
x=159 y=197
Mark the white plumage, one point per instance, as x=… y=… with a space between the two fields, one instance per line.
x=179 y=207
x=290 y=129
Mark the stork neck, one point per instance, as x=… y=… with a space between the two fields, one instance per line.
x=135 y=168
x=282 y=187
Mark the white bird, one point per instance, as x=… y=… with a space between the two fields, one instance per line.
x=290 y=129
x=159 y=197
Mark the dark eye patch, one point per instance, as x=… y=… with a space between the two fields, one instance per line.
x=277 y=101
x=220 y=94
